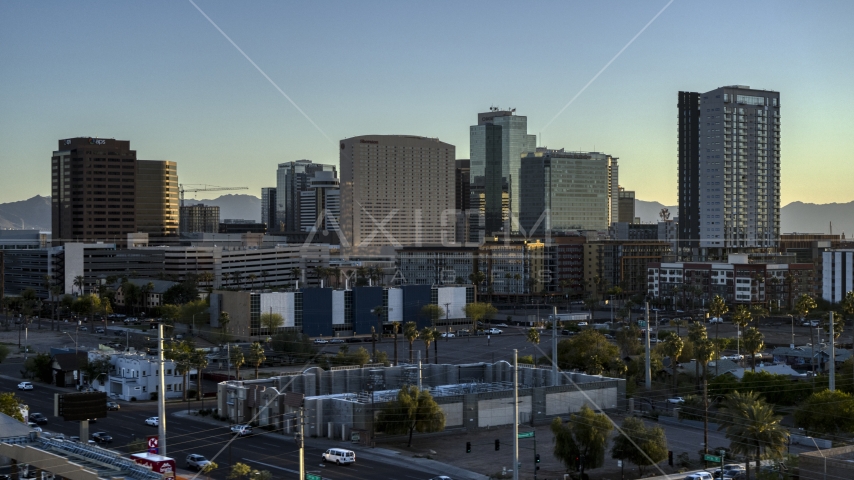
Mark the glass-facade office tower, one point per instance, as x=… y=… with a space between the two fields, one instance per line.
x=268 y=209
x=497 y=144
x=579 y=190
x=729 y=178
x=291 y=179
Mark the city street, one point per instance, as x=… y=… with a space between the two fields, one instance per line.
x=264 y=450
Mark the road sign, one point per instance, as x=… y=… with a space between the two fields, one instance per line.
x=712 y=458
x=526 y=435
x=152 y=441
x=641 y=323
x=311 y=476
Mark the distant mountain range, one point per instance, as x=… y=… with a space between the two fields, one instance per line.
x=34 y=213
x=244 y=207
x=794 y=217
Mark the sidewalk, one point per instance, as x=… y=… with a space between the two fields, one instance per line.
x=383 y=455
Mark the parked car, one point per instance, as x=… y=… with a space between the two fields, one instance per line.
x=102 y=437
x=714 y=320
x=321 y=341
x=339 y=456
x=463 y=332
x=504 y=325
x=353 y=340
x=448 y=335
x=241 y=430
x=567 y=332
x=676 y=400
x=153 y=421
x=25 y=386
x=113 y=406
x=100 y=330
x=197 y=462
x=38 y=418
x=493 y=331
x=699 y=476
x=337 y=340
x=729 y=470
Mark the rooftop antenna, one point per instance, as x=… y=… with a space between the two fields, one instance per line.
x=831 y=228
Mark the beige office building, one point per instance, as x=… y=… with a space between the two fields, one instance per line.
x=395 y=191
x=157 y=198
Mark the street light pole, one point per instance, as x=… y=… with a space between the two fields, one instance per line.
x=792 y=318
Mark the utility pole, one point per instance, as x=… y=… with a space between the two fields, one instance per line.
x=832 y=378
x=647 y=366
x=161 y=394
x=419 y=370
x=515 y=414
x=301 y=442
x=554 y=347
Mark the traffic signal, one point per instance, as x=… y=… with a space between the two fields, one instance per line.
x=468 y=447
x=537 y=458
x=577 y=464
x=497 y=445
x=670 y=457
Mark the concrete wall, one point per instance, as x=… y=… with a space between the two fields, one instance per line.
x=837 y=463
x=458 y=389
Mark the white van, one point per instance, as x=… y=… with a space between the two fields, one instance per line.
x=339 y=456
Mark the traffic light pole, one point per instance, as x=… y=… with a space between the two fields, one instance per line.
x=161 y=394
x=536 y=459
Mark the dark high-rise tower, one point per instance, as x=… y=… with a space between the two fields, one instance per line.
x=93 y=190
x=689 y=178
x=729 y=171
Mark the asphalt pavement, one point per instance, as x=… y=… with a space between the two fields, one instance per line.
x=264 y=450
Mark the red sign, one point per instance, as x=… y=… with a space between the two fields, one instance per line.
x=153 y=443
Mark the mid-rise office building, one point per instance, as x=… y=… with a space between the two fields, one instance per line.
x=291 y=179
x=626 y=206
x=837 y=274
x=199 y=218
x=101 y=192
x=563 y=191
x=157 y=199
x=268 y=209
x=729 y=171
x=396 y=190
x=497 y=144
x=93 y=190
x=320 y=205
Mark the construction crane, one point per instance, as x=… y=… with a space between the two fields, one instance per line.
x=202 y=188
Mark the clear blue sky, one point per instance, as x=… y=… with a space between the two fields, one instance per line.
x=160 y=75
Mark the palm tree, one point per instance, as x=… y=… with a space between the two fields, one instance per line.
x=336 y=274
x=237 y=359
x=678 y=323
x=533 y=336
x=476 y=279
x=380 y=312
x=296 y=273
x=590 y=304
x=428 y=336
x=717 y=309
x=207 y=278
x=200 y=361
x=672 y=347
x=256 y=356
x=410 y=333
x=752 y=427
x=753 y=343
x=264 y=278
x=803 y=306
x=741 y=318
x=704 y=352
x=758 y=312
x=79 y=283
x=252 y=277
x=395 y=327
x=55 y=293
